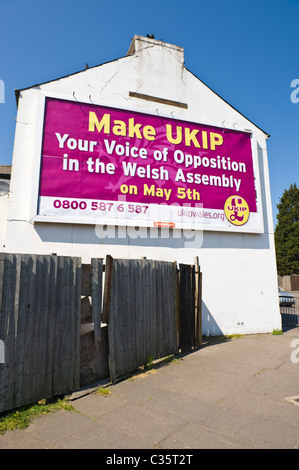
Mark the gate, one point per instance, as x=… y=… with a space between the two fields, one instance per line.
x=190 y=294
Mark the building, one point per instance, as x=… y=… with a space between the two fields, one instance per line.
x=5 y=171
x=137 y=157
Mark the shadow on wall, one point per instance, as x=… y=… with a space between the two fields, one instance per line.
x=148 y=237
x=209 y=325
x=120 y=236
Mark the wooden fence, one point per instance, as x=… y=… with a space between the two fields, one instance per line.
x=141 y=312
x=39 y=326
x=152 y=308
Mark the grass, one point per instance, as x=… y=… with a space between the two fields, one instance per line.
x=221 y=338
x=173 y=358
x=152 y=363
x=103 y=391
x=277 y=332
x=20 y=418
x=235 y=336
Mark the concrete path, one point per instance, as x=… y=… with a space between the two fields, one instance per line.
x=238 y=394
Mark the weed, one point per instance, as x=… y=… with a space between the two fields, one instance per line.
x=174 y=359
x=103 y=391
x=221 y=338
x=150 y=363
x=20 y=418
x=277 y=332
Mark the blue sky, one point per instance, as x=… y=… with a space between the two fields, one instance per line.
x=246 y=51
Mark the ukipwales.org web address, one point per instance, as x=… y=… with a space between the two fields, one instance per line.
x=200 y=214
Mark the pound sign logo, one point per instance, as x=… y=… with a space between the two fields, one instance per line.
x=236 y=210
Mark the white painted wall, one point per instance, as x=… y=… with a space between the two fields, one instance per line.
x=3 y=218
x=239 y=270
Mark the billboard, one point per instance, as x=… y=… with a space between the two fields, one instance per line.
x=103 y=165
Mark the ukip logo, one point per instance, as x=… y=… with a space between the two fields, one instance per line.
x=236 y=210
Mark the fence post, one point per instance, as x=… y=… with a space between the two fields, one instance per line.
x=107 y=288
x=2 y=352
x=198 y=300
x=96 y=295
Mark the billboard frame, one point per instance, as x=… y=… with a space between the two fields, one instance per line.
x=37 y=218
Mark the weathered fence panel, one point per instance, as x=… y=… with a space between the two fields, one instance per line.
x=152 y=310
x=66 y=360
x=190 y=301
x=187 y=307
x=96 y=294
x=141 y=312
x=94 y=335
x=40 y=309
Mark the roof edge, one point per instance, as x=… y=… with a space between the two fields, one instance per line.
x=264 y=132
x=18 y=91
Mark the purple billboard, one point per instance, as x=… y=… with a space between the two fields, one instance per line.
x=105 y=165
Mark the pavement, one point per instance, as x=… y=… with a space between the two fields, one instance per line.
x=242 y=393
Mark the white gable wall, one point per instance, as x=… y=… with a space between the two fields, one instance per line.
x=239 y=270
x=3 y=217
